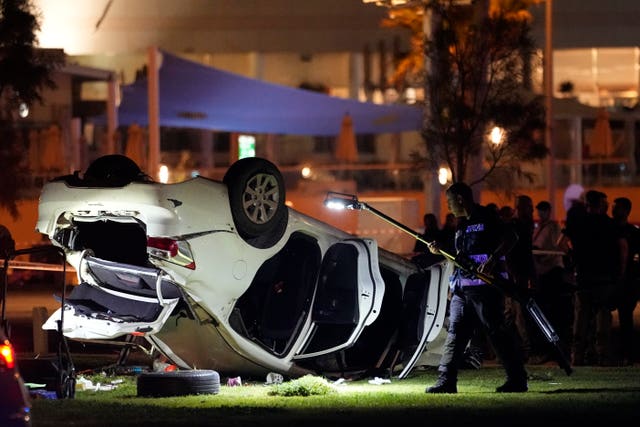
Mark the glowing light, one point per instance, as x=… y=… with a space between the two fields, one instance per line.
x=497 y=135
x=410 y=95
x=71 y=27
x=164 y=174
x=246 y=146
x=444 y=175
x=335 y=205
x=305 y=172
x=23 y=110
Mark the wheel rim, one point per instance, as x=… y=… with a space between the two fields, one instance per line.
x=260 y=198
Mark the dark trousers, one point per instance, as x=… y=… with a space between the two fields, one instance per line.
x=483 y=304
x=627 y=301
x=592 y=323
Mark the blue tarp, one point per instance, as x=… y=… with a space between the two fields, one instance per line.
x=198 y=96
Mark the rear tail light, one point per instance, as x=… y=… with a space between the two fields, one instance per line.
x=7 y=356
x=172 y=250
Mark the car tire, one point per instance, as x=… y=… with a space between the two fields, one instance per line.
x=256 y=198
x=178 y=383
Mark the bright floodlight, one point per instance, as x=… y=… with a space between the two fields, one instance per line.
x=340 y=201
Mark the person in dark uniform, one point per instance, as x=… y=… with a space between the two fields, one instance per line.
x=483 y=239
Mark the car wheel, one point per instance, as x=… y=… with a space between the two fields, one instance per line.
x=256 y=198
x=178 y=383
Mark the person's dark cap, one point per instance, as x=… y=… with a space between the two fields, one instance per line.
x=544 y=205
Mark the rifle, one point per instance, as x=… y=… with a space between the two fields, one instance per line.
x=350 y=201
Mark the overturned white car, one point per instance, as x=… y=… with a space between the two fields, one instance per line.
x=223 y=275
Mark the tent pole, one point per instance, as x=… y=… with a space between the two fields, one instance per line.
x=112 y=114
x=153 y=67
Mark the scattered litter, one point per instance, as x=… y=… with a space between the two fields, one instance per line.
x=163 y=366
x=43 y=394
x=274 y=378
x=34 y=385
x=126 y=370
x=84 y=384
x=379 y=381
x=105 y=387
x=234 y=382
x=340 y=381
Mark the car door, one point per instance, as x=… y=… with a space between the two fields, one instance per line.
x=348 y=297
x=425 y=304
x=115 y=299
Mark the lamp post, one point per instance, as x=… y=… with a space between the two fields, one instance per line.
x=548 y=91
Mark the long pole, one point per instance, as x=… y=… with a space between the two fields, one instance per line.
x=430 y=179
x=153 y=89
x=504 y=285
x=548 y=90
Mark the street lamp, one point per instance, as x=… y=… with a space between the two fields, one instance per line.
x=444 y=175
x=23 y=110
x=496 y=135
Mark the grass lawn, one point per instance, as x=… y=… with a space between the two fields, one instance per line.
x=603 y=395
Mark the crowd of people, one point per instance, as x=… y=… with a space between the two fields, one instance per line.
x=580 y=272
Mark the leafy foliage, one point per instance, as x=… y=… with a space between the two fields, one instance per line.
x=477 y=76
x=24 y=73
x=307 y=385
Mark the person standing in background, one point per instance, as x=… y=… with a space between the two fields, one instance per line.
x=628 y=290
x=431 y=232
x=597 y=249
x=448 y=233
x=552 y=292
x=521 y=268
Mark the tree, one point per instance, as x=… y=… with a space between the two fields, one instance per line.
x=477 y=77
x=24 y=73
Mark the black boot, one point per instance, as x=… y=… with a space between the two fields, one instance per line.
x=512 y=386
x=443 y=385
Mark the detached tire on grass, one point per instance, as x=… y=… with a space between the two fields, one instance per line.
x=178 y=383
